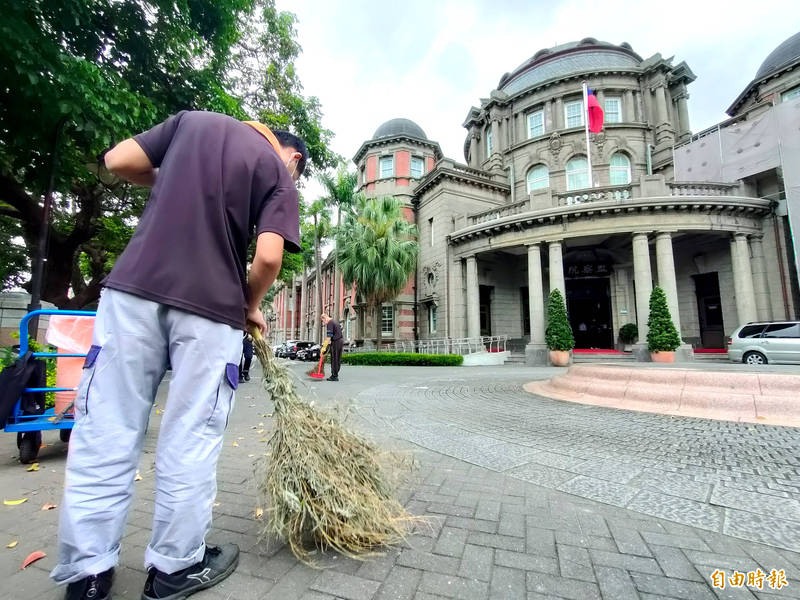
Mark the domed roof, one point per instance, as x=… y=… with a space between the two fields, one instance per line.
x=588 y=54
x=785 y=53
x=398 y=127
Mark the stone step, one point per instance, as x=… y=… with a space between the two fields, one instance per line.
x=601 y=357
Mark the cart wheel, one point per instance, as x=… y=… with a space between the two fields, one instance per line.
x=29 y=446
x=64 y=435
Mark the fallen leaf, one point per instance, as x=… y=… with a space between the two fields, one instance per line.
x=14 y=502
x=49 y=506
x=138 y=476
x=32 y=558
x=34 y=467
x=259 y=431
x=42 y=446
x=215 y=505
x=260 y=424
x=259 y=513
x=250 y=455
x=12 y=544
x=252 y=406
x=236 y=444
x=263 y=439
x=158 y=411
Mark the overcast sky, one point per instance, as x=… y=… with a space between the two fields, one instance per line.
x=431 y=60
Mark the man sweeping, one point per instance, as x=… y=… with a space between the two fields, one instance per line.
x=178 y=293
x=333 y=333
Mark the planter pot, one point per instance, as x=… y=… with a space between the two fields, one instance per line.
x=559 y=358
x=662 y=357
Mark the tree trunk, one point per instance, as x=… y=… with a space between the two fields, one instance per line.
x=377 y=325
x=317 y=324
x=337 y=289
x=304 y=305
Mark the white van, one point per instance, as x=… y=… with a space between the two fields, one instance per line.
x=765 y=342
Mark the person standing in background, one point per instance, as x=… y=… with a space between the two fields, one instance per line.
x=334 y=333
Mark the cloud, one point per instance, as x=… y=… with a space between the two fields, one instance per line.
x=429 y=61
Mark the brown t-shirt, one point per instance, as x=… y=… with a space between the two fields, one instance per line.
x=219 y=183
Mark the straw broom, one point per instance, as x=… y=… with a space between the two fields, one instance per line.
x=322 y=484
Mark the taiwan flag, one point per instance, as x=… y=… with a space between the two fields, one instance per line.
x=595 y=112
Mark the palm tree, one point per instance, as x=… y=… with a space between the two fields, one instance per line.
x=377 y=251
x=321 y=218
x=341 y=192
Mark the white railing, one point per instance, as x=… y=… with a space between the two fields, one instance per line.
x=615 y=192
x=689 y=188
x=498 y=212
x=490 y=343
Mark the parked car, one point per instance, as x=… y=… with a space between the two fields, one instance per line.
x=294 y=347
x=763 y=342
x=311 y=353
x=283 y=349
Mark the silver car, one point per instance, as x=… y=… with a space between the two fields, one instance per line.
x=766 y=342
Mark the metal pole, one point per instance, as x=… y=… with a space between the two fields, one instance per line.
x=586 y=128
x=38 y=266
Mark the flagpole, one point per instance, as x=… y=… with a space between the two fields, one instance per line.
x=586 y=127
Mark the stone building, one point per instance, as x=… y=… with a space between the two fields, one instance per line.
x=519 y=217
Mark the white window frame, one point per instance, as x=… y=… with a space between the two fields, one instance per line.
x=581 y=113
x=606 y=116
x=537 y=182
x=790 y=94
x=390 y=331
x=421 y=162
x=386 y=160
x=489 y=143
x=536 y=122
x=617 y=169
x=433 y=318
x=584 y=173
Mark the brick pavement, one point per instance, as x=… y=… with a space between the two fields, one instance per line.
x=499 y=527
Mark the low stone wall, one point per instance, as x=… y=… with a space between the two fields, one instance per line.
x=14 y=306
x=750 y=397
x=484 y=359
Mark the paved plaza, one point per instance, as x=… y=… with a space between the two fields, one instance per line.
x=526 y=497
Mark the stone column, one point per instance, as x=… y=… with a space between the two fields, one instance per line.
x=495 y=136
x=759 y=266
x=683 y=115
x=643 y=279
x=304 y=304
x=743 y=280
x=473 y=298
x=473 y=148
x=536 y=293
x=292 y=314
x=549 y=118
x=558 y=117
x=628 y=107
x=661 y=105
x=666 y=275
x=557 y=268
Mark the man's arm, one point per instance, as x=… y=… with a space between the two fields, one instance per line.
x=263 y=271
x=128 y=161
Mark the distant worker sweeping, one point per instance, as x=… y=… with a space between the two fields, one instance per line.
x=179 y=293
x=334 y=338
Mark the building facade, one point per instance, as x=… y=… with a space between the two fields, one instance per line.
x=523 y=215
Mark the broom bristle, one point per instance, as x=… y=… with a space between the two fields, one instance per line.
x=322 y=484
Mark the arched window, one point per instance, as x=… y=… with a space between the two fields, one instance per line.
x=620 y=169
x=577 y=173
x=538 y=178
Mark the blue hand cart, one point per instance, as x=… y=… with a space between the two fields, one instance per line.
x=29 y=427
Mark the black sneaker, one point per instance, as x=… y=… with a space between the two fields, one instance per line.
x=218 y=562
x=332 y=378
x=247 y=376
x=94 y=587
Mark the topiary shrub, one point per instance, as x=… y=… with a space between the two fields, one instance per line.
x=558 y=335
x=662 y=336
x=403 y=359
x=628 y=333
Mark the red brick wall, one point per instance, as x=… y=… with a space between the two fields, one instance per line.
x=431 y=162
x=402 y=163
x=372 y=166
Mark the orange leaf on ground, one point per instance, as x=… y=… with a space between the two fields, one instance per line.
x=49 y=506
x=32 y=558
x=14 y=502
x=259 y=513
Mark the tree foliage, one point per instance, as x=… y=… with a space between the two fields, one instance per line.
x=93 y=72
x=377 y=251
x=558 y=335
x=662 y=336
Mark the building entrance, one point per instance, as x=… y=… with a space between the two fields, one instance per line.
x=589 y=307
x=709 y=308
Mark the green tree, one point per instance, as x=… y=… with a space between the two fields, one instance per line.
x=662 y=336
x=320 y=216
x=92 y=72
x=558 y=334
x=377 y=251
x=341 y=195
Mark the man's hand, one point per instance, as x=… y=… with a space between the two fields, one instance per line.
x=255 y=318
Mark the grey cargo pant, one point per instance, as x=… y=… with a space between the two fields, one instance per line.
x=133 y=338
